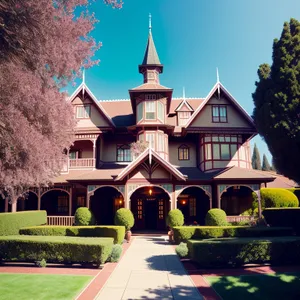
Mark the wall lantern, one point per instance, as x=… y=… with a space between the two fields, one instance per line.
x=150 y=192
x=183 y=202
x=120 y=201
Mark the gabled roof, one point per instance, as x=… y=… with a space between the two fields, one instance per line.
x=150 y=86
x=220 y=86
x=151 y=56
x=184 y=102
x=84 y=88
x=150 y=154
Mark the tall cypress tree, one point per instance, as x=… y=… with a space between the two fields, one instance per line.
x=256 y=163
x=277 y=101
x=265 y=164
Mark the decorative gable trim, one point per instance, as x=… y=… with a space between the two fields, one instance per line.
x=150 y=154
x=220 y=86
x=84 y=88
x=184 y=102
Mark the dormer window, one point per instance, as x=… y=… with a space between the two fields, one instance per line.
x=183 y=117
x=83 y=112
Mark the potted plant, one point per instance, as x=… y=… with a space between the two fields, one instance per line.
x=124 y=217
x=174 y=218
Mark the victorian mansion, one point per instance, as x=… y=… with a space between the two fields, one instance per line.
x=197 y=155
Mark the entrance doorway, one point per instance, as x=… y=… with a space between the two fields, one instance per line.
x=150 y=206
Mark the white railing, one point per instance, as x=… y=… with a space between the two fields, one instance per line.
x=82 y=163
x=60 y=220
x=239 y=218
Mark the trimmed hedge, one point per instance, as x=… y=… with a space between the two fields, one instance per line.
x=175 y=218
x=10 y=223
x=124 y=217
x=116 y=232
x=283 y=217
x=278 y=197
x=185 y=233
x=296 y=192
x=216 y=217
x=84 y=217
x=240 y=251
x=55 y=249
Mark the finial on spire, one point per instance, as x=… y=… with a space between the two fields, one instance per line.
x=183 y=93
x=218 y=82
x=150 y=25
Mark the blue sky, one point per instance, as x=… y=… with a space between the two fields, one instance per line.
x=192 y=38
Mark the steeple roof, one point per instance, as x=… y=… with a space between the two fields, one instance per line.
x=151 y=56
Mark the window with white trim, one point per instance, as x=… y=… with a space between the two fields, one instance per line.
x=183 y=117
x=123 y=153
x=219 y=114
x=150 y=110
x=150 y=139
x=83 y=112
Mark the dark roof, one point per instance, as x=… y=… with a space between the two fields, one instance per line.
x=151 y=56
x=193 y=173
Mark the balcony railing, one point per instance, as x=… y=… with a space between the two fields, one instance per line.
x=82 y=163
x=240 y=218
x=60 y=220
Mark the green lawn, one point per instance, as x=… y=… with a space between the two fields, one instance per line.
x=41 y=286
x=271 y=286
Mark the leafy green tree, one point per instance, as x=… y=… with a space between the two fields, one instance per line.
x=265 y=164
x=256 y=162
x=277 y=101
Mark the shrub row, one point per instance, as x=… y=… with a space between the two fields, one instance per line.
x=283 y=217
x=116 y=232
x=10 y=223
x=240 y=251
x=55 y=249
x=185 y=233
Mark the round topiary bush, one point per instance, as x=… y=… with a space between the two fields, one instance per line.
x=84 y=217
x=182 y=250
x=277 y=197
x=175 y=218
x=124 y=217
x=216 y=217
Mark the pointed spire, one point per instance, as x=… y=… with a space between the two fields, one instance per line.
x=83 y=82
x=150 y=25
x=218 y=82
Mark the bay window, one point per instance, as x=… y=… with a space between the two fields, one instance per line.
x=150 y=140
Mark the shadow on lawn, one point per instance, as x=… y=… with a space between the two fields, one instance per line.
x=272 y=286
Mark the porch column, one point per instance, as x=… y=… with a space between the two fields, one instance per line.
x=87 y=197
x=94 y=153
x=126 y=198
x=70 y=201
x=174 y=200
x=218 y=197
x=39 y=199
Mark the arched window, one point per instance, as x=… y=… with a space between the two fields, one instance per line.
x=123 y=153
x=183 y=152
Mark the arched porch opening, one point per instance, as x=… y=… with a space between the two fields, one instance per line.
x=2 y=204
x=194 y=204
x=55 y=202
x=236 y=200
x=150 y=206
x=104 y=203
x=28 y=202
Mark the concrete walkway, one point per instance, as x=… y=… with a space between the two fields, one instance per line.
x=150 y=269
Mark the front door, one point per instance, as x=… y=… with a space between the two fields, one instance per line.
x=150 y=214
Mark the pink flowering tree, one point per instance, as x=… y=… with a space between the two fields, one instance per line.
x=138 y=147
x=43 y=46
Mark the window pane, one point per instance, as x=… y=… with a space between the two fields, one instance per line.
x=161 y=112
x=215 y=111
x=208 y=151
x=80 y=112
x=160 y=142
x=233 y=150
x=207 y=138
x=150 y=139
x=150 y=110
x=221 y=138
x=216 y=151
x=225 y=154
x=215 y=138
x=223 y=111
x=234 y=138
x=140 y=111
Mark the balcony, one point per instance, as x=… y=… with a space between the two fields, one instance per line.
x=81 y=163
